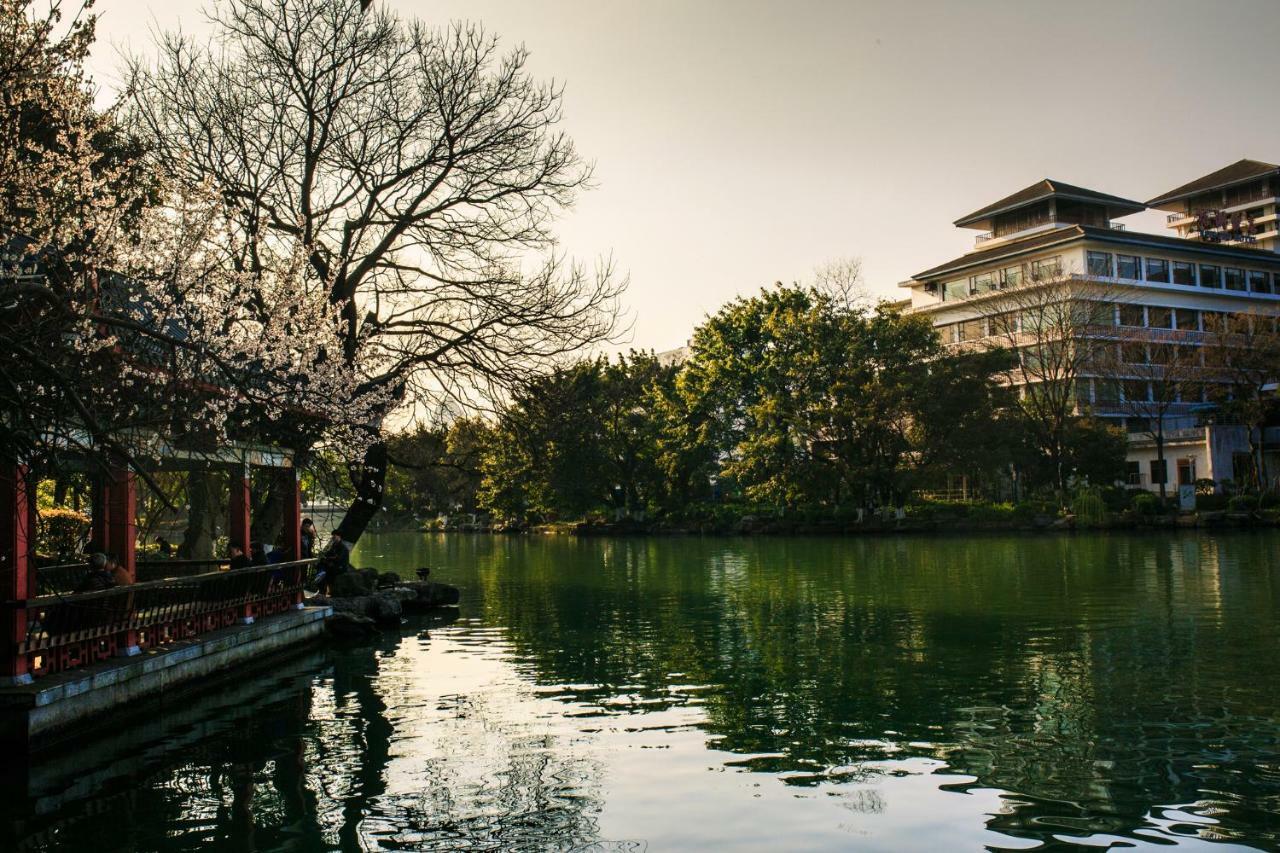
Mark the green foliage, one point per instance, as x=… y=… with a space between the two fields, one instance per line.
x=436 y=470
x=1146 y=504
x=584 y=437
x=61 y=530
x=790 y=403
x=1088 y=507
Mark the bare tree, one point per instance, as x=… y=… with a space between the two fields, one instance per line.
x=1056 y=327
x=840 y=280
x=1148 y=373
x=421 y=167
x=1242 y=353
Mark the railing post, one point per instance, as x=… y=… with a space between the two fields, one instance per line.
x=15 y=569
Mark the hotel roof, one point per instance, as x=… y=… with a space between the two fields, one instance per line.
x=1238 y=172
x=1071 y=233
x=1048 y=188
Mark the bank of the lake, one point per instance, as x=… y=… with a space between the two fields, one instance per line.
x=877 y=693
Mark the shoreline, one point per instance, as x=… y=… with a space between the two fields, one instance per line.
x=1214 y=521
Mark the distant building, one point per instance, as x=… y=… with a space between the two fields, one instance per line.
x=673 y=357
x=1224 y=260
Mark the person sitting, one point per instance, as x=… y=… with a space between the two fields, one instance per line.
x=257 y=553
x=98 y=577
x=164 y=548
x=119 y=574
x=239 y=560
x=334 y=562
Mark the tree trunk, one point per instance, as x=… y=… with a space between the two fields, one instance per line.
x=1160 y=463
x=369 y=478
x=202 y=505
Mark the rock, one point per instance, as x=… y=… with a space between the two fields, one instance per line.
x=403 y=593
x=356 y=604
x=384 y=609
x=430 y=594
x=349 y=584
x=387 y=580
x=350 y=626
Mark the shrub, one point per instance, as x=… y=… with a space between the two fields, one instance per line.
x=1241 y=503
x=62 y=530
x=1088 y=507
x=1145 y=503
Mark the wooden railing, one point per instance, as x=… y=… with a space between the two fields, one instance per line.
x=66 y=631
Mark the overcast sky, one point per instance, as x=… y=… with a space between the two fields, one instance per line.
x=740 y=142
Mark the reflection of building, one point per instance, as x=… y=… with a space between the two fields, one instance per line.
x=1149 y=292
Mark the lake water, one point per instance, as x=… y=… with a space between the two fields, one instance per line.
x=753 y=694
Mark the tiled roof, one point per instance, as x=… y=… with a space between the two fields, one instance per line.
x=1238 y=172
x=1048 y=189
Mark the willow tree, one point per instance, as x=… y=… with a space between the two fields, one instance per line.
x=422 y=168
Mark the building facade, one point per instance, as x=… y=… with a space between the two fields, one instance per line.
x=1152 y=300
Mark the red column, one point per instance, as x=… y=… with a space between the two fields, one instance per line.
x=15 y=565
x=238 y=522
x=291 y=496
x=101 y=514
x=121 y=521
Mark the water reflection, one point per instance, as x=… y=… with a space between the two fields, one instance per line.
x=883 y=694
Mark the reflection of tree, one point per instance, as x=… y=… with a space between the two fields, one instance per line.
x=1104 y=673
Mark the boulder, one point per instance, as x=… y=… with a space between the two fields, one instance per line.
x=387 y=580
x=384 y=609
x=350 y=626
x=429 y=594
x=350 y=584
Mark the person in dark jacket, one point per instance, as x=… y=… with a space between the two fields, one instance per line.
x=239 y=559
x=334 y=562
x=309 y=537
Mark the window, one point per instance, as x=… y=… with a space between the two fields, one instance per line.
x=1100 y=264
x=1213 y=321
x=1131 y=315
x=983 y=283
x=1003 y=324
x=1191 y=392
x=1159 y=471
x=1137 y=424
x=1106 y=391
x=1103 y=314
x=1210 y=275
x=1134 y=354
x=1159 y=318
x=1133 y=473
x=1234 y=278
x=1046 y=268
x=1158 y=270
x=1012 y=276
x=1183 y=273
x=971 y=330
x=1187 y=471
x=955 y=290
x=1259 y=282
x=1187 y=319
x=1129 y=266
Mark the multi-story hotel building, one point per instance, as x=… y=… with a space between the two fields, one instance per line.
x=1224 y=260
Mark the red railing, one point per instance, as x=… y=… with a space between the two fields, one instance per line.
x=67 y=631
